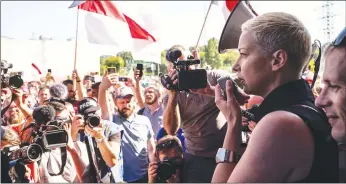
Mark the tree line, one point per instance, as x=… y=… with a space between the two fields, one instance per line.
x=209 y=55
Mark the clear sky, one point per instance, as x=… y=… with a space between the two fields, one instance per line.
x=181 y=20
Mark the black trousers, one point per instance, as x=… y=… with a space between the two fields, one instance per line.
x=198 y=169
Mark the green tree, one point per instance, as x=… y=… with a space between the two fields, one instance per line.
x=163 y=57
x=212 y=56
x=112 y=61
x=202 y=57
x=126 y=55
x=229 y=58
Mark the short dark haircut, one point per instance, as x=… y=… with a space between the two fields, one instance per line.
x=68 y=81
x=96 y=85
x=169 y=138
x=58 y=107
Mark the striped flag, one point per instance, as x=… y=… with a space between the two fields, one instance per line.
x=105 y=23
x=236 y=13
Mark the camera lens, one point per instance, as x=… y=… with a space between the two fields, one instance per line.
x=16 y=81
x=34 y=152
x=165 y=171
x=93 y=121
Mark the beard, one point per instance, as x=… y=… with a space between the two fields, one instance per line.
x=151 y=101
x=125 y=112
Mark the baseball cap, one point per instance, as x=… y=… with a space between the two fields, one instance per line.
x=87 y=105
x=123 y=92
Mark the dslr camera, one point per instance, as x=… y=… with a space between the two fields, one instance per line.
x=187 y=79
x=167 y=167
x=14 y=81
x=92 y=120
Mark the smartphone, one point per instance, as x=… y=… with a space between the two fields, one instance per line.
x=123 y=79
x=111 y=70
x=140 y=68
x=49 y=70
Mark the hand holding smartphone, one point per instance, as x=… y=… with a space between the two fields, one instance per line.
x=111 y=70
x=139 y=67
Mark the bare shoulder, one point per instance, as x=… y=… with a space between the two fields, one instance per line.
x=284 y=142
x=283 y=126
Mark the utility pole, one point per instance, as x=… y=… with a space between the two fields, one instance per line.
x=326 y=19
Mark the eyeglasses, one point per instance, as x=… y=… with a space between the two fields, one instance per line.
x=340 y=39
x=168 y=144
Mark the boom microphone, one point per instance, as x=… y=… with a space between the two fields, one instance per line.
x=43 y=114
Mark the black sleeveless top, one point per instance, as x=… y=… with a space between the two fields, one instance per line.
x=297 y=97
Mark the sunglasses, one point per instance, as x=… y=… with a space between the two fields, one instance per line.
x=340 y=39
x=168 y=144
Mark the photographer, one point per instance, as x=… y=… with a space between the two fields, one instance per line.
x=203 y=125
x=106 y=138
x=13 y=171
x=169 y=152
x=291 y=141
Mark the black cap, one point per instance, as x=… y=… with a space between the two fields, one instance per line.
x=87 y=105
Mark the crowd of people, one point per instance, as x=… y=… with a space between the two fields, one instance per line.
x=121 y=131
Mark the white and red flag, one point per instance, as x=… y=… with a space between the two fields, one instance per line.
x=236 y=13
x=105 y=23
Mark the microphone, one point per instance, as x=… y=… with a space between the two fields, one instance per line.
x=173 y=55
x=43 y=114
x=58 y=91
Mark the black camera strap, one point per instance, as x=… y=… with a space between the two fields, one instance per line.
x=3 y=111
x=63 y=160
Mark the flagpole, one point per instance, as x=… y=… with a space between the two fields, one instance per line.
x=75 y=50
x=76 y=41
x=205 y=20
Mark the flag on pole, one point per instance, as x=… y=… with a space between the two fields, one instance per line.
x=236 y=13
x=105 y=23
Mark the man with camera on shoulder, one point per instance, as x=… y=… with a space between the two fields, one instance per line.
x=168 y=169
x=203 y=125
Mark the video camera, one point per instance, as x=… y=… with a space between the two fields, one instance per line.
x=187 y=79
x=43 y=143
x=15 y=81
x=45 y=138
x=167 y=168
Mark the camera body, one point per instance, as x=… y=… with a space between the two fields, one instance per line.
x=166 y=168
x=92 y=120
x=14 y=81
x=42 y=143
x=187 y=79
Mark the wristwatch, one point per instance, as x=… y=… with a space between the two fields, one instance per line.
x=226 y=156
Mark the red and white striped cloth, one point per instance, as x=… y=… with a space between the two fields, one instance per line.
x=106 y=23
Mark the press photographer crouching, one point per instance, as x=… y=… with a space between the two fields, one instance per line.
x=169 y=151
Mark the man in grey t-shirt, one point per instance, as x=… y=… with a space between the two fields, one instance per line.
x=203 y=125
